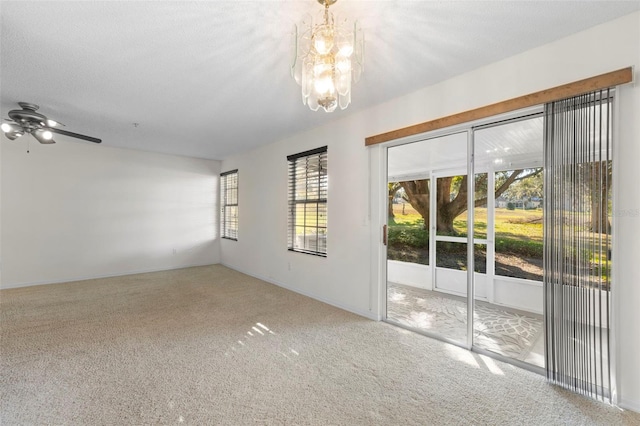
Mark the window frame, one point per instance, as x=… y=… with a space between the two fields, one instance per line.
x=294 y=200
x=228 y=229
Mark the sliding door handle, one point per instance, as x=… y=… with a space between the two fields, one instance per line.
x=384 y=234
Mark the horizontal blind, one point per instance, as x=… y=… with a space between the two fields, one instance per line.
x=229 y=204
x=308 y=189
x=577 y=249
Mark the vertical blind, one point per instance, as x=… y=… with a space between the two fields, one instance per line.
x=229 y=204
x=308 y=187
x=577 y=247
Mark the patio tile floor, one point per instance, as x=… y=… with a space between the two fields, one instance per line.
x=509 y=332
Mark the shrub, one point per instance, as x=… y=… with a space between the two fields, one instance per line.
x=519 y=247
x=408 y=236
x=511 y=206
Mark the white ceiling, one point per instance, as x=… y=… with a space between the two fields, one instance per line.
x=210 y=78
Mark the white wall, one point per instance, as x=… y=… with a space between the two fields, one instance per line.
x=0 y=215
x=342 y=278
x=349 y=276
x=77 y=210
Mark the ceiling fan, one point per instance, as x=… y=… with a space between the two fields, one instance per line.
x=28 y=120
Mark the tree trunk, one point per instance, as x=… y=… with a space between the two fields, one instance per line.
x=390 y=210
x=417 y=192
x=447 y=208
x=393 y=188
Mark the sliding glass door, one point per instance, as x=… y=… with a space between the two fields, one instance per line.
x=508 y=160
x=431 y=267
x=426 y=251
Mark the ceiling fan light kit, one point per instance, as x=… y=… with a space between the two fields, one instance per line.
x=327 y=57
x=28 y=120
x=43 y=136
x=11 y=130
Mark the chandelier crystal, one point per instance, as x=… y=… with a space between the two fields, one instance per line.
x=327 y=57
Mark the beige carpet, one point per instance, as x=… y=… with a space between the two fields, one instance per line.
x=209 y=345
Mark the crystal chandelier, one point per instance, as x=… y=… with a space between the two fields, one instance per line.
x=326 y=58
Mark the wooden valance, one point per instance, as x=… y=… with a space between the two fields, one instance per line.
x=568 y=90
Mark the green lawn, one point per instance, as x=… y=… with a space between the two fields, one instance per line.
x=518 y=232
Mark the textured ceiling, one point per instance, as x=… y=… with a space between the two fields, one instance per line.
x=209 y=79
x=500 y=147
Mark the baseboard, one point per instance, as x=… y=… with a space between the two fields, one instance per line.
x=344 y=307
x=629 y=405
x=95 y=277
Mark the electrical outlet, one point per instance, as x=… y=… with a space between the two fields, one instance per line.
x=174 y=251
x=289 y=265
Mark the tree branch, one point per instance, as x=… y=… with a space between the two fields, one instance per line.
x=513 y=177
x=507 y=183
x=534 y=173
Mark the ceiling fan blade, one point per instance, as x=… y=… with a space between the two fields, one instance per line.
x=74 y=135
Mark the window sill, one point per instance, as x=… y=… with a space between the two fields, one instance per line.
x=313 y=253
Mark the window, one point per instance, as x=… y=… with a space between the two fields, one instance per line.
x=229 y=205
x=308 y=183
